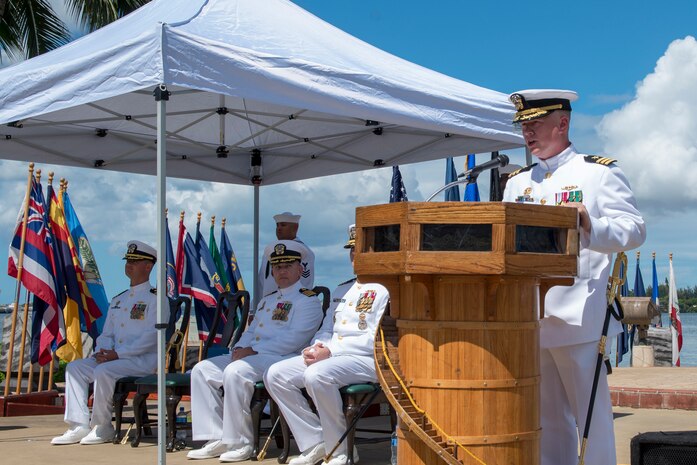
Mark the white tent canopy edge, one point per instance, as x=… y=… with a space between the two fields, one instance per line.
x=247 y=77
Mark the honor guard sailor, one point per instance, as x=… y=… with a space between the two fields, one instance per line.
x=572 y=325
x=285 y=321
x=287 y=225
x=127 y=346
x=341 y=353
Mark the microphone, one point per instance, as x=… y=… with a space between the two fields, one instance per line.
x=496 y=162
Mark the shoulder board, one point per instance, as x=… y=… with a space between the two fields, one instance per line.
x=153 y=290
x=271 y=293
x=308 y=292
x=349 y=281
x=120 y=293
x=521 y=170
x=605 y=161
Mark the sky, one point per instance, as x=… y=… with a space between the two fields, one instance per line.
x=633 y=63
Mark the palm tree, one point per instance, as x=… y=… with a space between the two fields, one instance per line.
x=31 y=27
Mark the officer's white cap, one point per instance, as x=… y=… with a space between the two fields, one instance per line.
x=535 y=103
x=286 y=217
x=138 y=250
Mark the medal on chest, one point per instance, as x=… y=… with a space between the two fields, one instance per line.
x=365 y=301
x=281 y=311
x=362 y=324
x=138 y=311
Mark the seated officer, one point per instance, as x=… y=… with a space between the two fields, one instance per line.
x=341 y=353
x=284 y=323
x=126 y=347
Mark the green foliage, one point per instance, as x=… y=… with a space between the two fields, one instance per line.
x=2 y=377
x=59 y=373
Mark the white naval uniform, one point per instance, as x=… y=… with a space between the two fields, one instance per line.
x=574 y=315
x=130 y=331
x=351 y=361
x=284 y=323
x=265 y=282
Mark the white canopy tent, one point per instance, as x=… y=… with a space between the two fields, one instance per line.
x=248 y=82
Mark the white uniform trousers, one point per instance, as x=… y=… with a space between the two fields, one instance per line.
x=80 y=373
x=227 y=416
x=322 y=381
x=565 y=390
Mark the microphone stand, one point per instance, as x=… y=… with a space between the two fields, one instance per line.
x=466 y=179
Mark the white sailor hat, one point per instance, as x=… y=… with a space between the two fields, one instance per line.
x=286 y=251
x=140 y=251
x=351 y=243
x=535 y=103
x=286 y=217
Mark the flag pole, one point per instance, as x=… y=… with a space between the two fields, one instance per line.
x=20 y=263
x=200 y=342
x=186 y=333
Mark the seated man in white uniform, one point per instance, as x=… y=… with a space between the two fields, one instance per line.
x=341 y=353
x=285 y=321
x=126 y=347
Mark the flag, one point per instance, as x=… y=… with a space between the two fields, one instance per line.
x=39 y=276
x=654 y=293
x=675 y=321
x=218 y=260
x=197 y=283
x=171 y=274
x=72 y=349
x=180 y=259
x=623 y=337
x=639 y=288
x=88 y=263
x=452 y=194
x=471 y=189
x=232 y=269
x=397 y=192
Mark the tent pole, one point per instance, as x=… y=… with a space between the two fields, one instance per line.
x=161 y=96
x=256 y=246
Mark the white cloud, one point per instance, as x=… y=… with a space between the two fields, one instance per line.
x=654 y=135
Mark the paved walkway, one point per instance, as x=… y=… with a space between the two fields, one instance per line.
x=654 y=388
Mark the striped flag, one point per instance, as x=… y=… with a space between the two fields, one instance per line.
x=39 y=277
x=675 y=321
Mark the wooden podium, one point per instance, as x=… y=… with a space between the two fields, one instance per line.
x=467 y=282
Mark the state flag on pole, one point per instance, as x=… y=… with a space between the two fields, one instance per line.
x=471 y=189
x=218 y=261
x=654 y=293
x=452 y=194
x=398 y=193
x=171 y=274
x=675 y=321
x=39 y=277
x=623 y=337
x=230 y=265
x=89 y=266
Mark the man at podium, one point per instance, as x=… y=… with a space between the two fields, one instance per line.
x=609 y=222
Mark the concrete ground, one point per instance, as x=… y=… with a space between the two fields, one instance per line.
x=26 y=440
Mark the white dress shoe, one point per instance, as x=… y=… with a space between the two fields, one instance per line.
x=237 y=455
x=210 y=450
x=342 y=459
x=72 y=436
x=310 y=457
x=99 y=435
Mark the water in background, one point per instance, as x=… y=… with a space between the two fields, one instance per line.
x=688 y=354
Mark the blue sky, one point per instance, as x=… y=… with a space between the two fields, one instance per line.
x=634 y=65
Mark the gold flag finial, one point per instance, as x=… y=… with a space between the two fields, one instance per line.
x=653 y=255
x=222 y=223
x=198 y=217
x=213 y=220
x=50 y=177
x=670 y=256
x=181 y=216
x=38 y=175
x=637 y=254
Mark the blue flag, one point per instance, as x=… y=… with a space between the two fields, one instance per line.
x=452 y=194
x=230 y=265
x=471 y=189
x=654 y=293
x=196 y=283
x=397 y=192
x=89 y=264
x=639 y=288
x=623 y=337
x=171 y=275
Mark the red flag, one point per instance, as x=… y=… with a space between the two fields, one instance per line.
x=675 y=321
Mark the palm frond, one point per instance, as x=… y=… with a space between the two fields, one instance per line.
x=93 y=14
x=40 y=30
